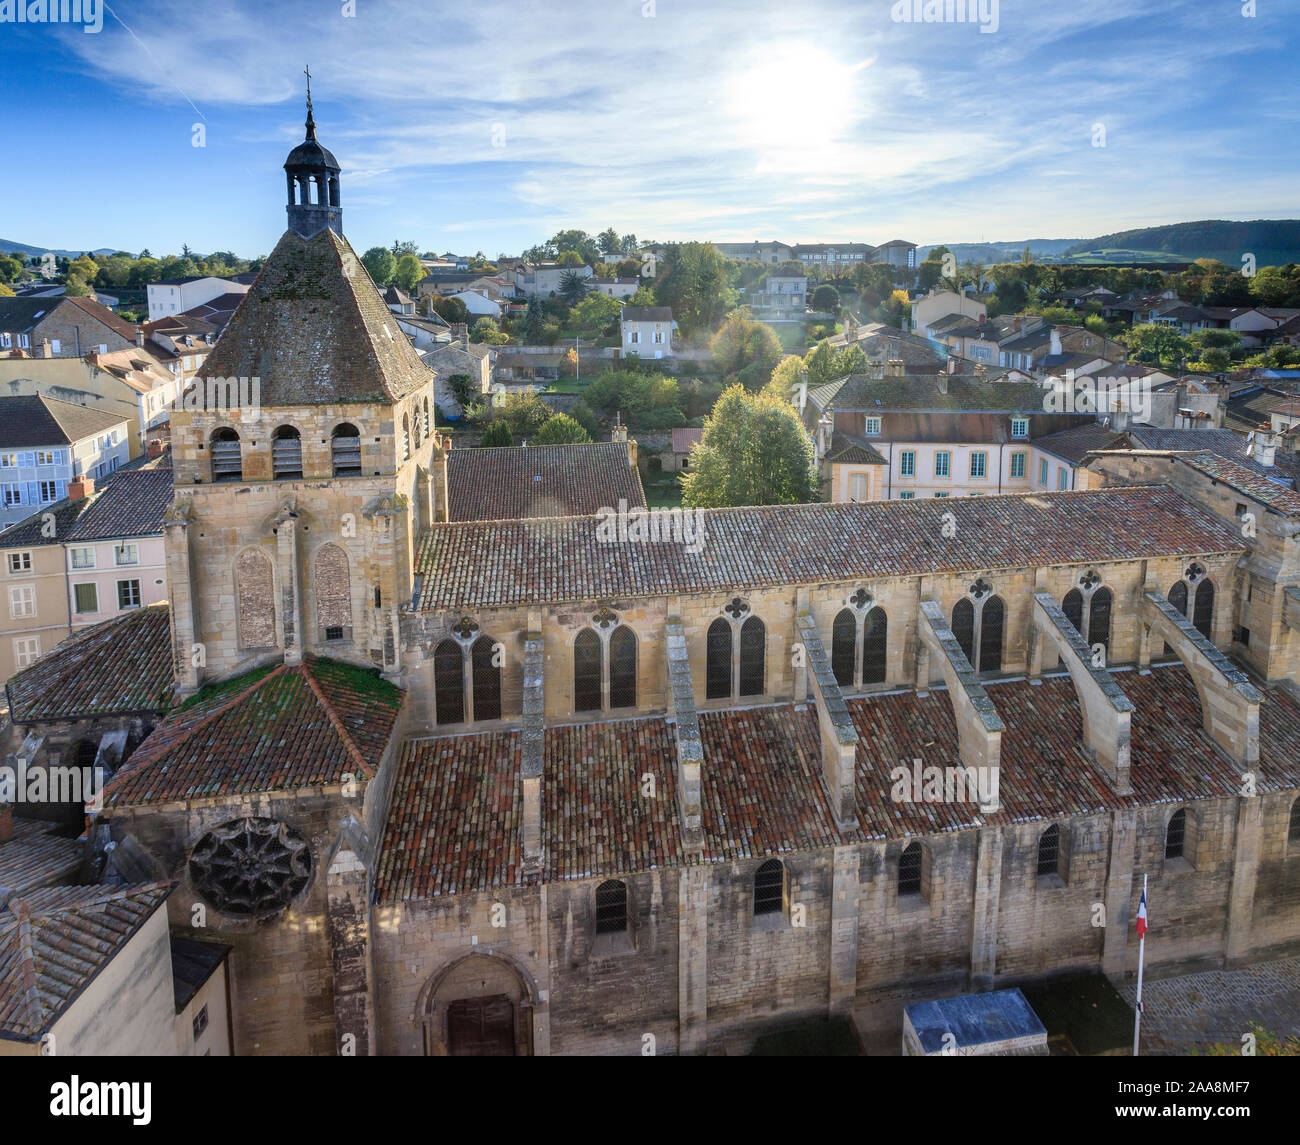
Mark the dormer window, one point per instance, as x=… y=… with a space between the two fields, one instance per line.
x=1019 y=427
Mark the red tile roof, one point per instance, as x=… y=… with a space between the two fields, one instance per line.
x=481 y=564
x=310 y=725
x=502 y=484
x=122 y=666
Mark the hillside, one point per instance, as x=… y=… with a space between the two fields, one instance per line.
x=989 y=253
x=1273 y=242
x=10 y=245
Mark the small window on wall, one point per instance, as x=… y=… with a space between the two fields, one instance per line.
x=769 y=888
x=86 y=597
x=910 y=872
x=907 y=463
x=1176 y=835
x=1017 y=465
x=1019 y=427
x=611 y=907
x=1042 y=472
x=978 y=464
x=872 y=427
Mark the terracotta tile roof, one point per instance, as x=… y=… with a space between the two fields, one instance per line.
x=761 y=792
x=502 y=484
x=1247 y=481
x=479 y=564
x=28 y=420
x=54 y=942
x=313 y=329
x=269 y=730
x=454 y=823
x=35 y=857
x=454 y=818
x=104 y=316
x=121 y=666
x=866 y=393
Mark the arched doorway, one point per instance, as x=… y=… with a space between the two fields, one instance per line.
x=480 y=1006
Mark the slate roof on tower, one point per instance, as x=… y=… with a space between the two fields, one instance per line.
x=316 y=330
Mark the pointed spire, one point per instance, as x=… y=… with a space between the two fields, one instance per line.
x=311 y=123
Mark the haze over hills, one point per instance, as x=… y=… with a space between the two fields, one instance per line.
x=27 y=248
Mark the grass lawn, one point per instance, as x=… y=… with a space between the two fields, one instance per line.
x=792 y=337
x=568 y=386
x=662 y=491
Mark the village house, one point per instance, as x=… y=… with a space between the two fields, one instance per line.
x=61 y=327
x=177 y=295
x=646 y=331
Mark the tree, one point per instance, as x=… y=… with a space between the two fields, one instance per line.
x=534 y=320
x=754 y=451
x=10 y=269
x=820 y=364
x=742 y=342
x=487 y=330
x=570 y=258
x=1156 y=345
x=75 y=286
x=464 y=388
x=497 y=434
x=380 y=263
x=786 y=376
x=408 y=272
x=561 y=430
x=629 y=244
x=402 y=248
x=449 y=309
x=850 y=360
x=573 y=287
x=827 y=298
x=523 y=412
x=595 y=312
x=696 y=286
x=581 y=413
x=609 y=241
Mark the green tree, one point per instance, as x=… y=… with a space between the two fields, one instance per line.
x=754 y=451
x=741 y=342
x=827 y=298
x=595 y=312
x=850 y=360
x=523 y=412
x=583 y=415
x=449 y=309
x=696 y=286
x=785 y=377
x=534 y=320
x=464 y=388
x=570 y=258
x=1156 y=345
x=403 y=248
x=380 y=263
x=497 y=434
x=487 y=330
x=820 y=364
x=573 y=287
x=609 y=241
x=561 y=430
x=408 y=271
x=10 y=269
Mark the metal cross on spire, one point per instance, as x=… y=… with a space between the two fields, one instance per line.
x=311 y=122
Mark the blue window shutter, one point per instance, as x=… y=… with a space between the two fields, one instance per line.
x=33 y=493
x=61 y=489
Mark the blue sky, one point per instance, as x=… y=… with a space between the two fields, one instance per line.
x=489 y=125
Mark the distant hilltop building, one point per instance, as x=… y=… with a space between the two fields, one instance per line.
x=825 y=256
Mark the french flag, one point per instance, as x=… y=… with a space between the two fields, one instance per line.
x=1142 y=916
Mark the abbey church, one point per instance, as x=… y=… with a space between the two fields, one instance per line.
x=453 y=772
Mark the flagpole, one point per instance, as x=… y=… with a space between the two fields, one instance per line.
x=1137 y=1011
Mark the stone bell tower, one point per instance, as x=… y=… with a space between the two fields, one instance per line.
x=312 y=175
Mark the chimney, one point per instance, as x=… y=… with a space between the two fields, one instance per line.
x=942 y=379
x=80 y=488
x=953 y=366
x=1266 y=449
x=1056 y=340
x=139 y=337
x=155 y=448
x=895 y=367
x=43 y=351
x=460 y=333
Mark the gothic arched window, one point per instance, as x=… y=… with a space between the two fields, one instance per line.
x=449 y=682
x=991 y=617
x=255 y=592
x=717 y=656
x=333 y=585
x=909 y=870
x=611 y=907
x=1178 y=597
x=753 y=643
x=1099 y=618
x=586 y=672
x=1072 y=606
x=844 y=646
x=1203 y=609
x=622 y=668
x=875 y=644
x=1176 y=835
x=963 y=627
x=487 y=680
x=1049 y=850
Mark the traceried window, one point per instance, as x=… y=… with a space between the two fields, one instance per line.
x=1099 y=618
x=251 y=867
x=718 y=653
x=622 y=668
x=1072 y=606
x=449 y=682
x=586 y=672
x=875 y=641
x=487 y=679
x=753 y=643
x=963 y=626
x=1293 y=830
x=844 y=646
x=1203 y=609
x=1178 y=597
x=991 y=617
x=769 y=887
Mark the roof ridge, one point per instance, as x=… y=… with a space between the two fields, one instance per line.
x=27 y=964
x=336 y=722
x=188 y=733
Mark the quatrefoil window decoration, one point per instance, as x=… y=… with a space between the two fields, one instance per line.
x=605 y=618
x=861 y=600
x=980 y=589
x=1089 y=580
x=1194 y=572
x=736 y=609
x=465 y=629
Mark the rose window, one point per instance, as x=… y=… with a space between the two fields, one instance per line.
x=250 y=866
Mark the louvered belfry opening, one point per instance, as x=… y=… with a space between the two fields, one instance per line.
x=345 y=449
x=227 y=459
x=286 y=453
